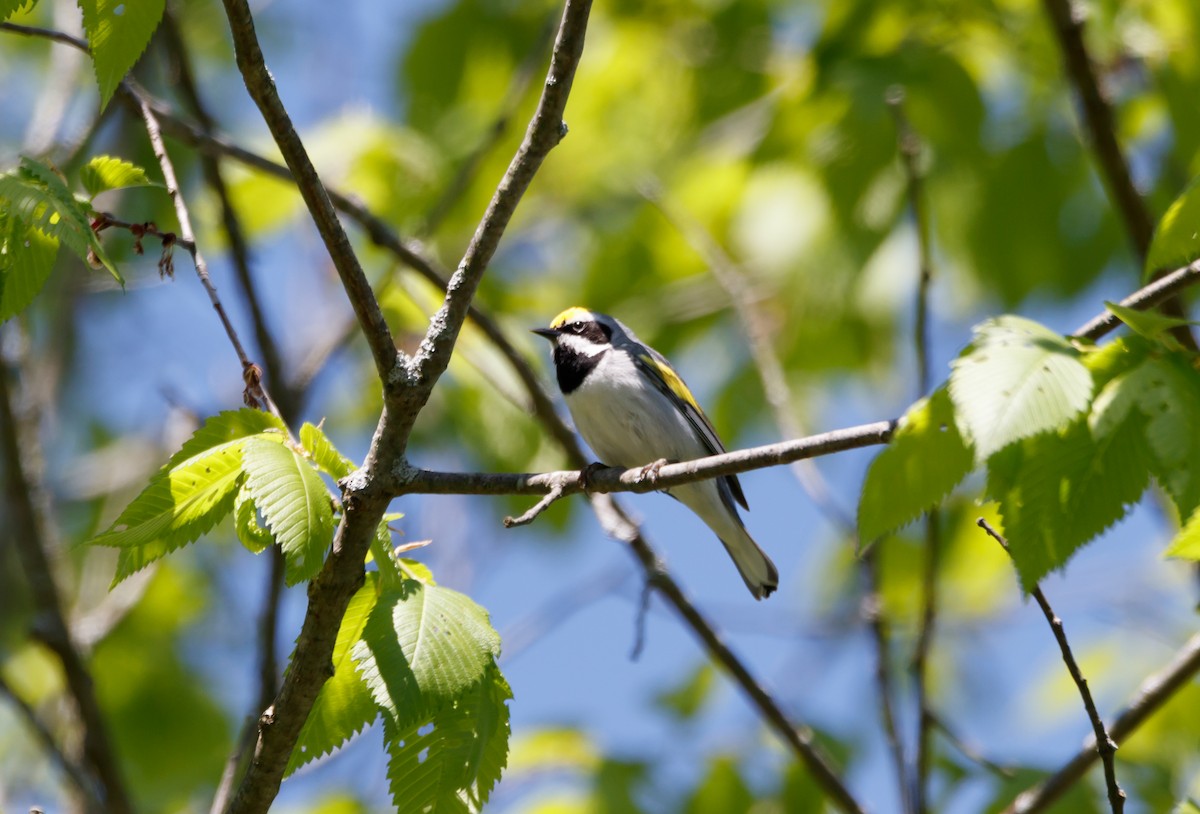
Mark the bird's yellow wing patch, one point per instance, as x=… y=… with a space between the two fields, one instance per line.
x=570 y=315
x=672 y=380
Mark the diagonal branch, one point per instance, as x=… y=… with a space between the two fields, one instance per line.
x=546 y=129
x=1154 y=692
x=262 y=89
x=1100 y=123
x=1103 y=744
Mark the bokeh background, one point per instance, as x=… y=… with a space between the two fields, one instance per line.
x=762 y=126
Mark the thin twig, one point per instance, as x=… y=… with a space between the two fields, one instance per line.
x=908 y=146
x=799 y=739
x=74 y=772
x=556 y=491
x=732 y=280
x=177 y=49
x=872 y=612
x=255 y=391
x=1154 y=692
x=1100 y=125
x=469 y=168
x=968 y=751
x=262 y=90
x=1105 y=746
x=1099 y=122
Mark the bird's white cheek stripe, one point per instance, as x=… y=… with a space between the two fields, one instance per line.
x=581 y=345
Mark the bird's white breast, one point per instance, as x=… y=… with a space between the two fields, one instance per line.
x=626 y=420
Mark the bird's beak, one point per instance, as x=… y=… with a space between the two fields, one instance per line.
x=549 y=333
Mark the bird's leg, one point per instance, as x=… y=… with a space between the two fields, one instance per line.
x=585 y=475
x=650 y=471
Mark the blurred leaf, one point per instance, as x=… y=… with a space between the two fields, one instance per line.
x=1186 y=544
x=27 y=257
x=1177 y=237
x=1150 y=324
x=10 y=7
x=344 y=705
x=293 y=501
x=1015 y=380
x=723 y=791
x=552 y=749
x=146 y=689
x=925 y=460
x=106 y=172
x=1079 y=798
x=687 y=698
x=118 y=33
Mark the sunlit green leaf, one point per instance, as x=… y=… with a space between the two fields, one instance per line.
x=450 y=762
x=324 y=454
x=118 y=32
x=293 y=501
x=723 y=791
x=1057 y=491
x=36 y=195
x=26 y=260
x=924 y=461
x=106 y=172
x=10 y=7
x=1015 y=380
x=1186 y=544
x=1150 y=324
x=245 y=522
x=1177 y=237
x=689 y=696
x=344 y=705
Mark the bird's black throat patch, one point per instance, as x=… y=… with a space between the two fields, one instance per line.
x=572 y=367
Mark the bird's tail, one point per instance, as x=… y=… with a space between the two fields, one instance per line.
x=756 y=568
x=718 y=512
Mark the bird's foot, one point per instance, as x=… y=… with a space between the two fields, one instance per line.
x=650 y=471
x=585 y=475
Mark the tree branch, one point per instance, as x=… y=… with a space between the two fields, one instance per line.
x=1105 y=745
x=799 y=739
x=1100 y=125
x=545 y=130
x=262 y=90
x=1153 y=693
x=611 y=479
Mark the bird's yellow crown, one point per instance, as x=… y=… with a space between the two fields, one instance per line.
x=570 y=315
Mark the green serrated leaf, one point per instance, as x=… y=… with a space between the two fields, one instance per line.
x=926 y=458
x=344 y=705
x=118 y=33
x=245 y=522
x=180 y=504
x=1150 y=324
x=383 y=553
x=10 y=7
x=293 y=501
x=1176 y=239
x=189 y=495
x=1059 y=490
x=1017 y=379
x=1167 y=392
x=423 y=646
x=450 y=762
x=1186 y=544
x=324 y=454
x=26 y=260
x=37 y=195
x=106 y=172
